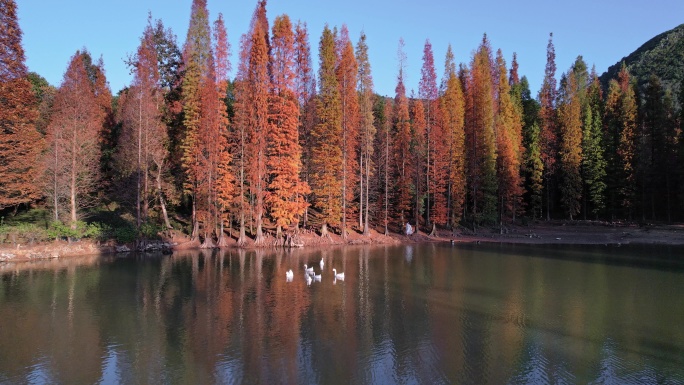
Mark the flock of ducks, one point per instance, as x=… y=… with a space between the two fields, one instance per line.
x=311 y=275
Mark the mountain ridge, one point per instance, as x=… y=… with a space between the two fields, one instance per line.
x=662 y=55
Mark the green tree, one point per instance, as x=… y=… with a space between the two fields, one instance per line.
x=197 y=58
x=532 y=166
x=403 y=193
x=593 y=160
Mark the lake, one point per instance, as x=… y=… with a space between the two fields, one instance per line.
x=410 y=314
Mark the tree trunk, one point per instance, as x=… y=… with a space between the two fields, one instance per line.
x=138 y=215
x=242 y=239
x=387 y=181
x=73 y=189
x=324 y=231
x=146 y=187
x=55 y=193
x=361 y=201
x=366 y=229
x=222 y=239
x=195 y=224
x=279 y=234
x=259 y=239
x=162 y=202
x=344 y=193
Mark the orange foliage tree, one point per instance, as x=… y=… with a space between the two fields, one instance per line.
x=225 y=183
x=453 y=110
x=347 y=71
x=418 y=151
x=305 y=88
x=435 y=178
x=326 y=138
x=570 y=145
x=367 y=130
x=20 y=143
x=258 y=82
x=508 y=128
x=480 y=136
x=73 y=138
x=286 y=191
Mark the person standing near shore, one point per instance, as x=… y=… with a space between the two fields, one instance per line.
x=409 y=229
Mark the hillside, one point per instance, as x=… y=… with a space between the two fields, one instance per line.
x=663 y=55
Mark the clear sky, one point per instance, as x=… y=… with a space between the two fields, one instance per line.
x=602 y=31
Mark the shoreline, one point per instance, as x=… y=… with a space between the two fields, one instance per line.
x=543 y=233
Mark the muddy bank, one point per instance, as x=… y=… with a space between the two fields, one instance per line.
x=559 y=232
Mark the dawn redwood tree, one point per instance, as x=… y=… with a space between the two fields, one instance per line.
x=453 y=115
x=532 y=165
x=238 y=139
x=143 y=139
x=305 y=88
x=427 y=92
x=626 y=148
x=258 y=83
x=367 y=130
x=548 y=139
x=534 y=169
x=657 y=151
x=170 y=64
x=402 y=196
x=197 y=59
x=72 y=159
x=252 y=87
x=620 y=131
x=225 y=179
x=480 y=136
x=347 y=71
x=20 y=143
x=326 y=138
x=611 y=138
x=439 y=173
x=286 y=191
x=570 y=144
x=384 y=158
x=593 y=159
x=680 y=149
x=418 y=154
x=508 y=127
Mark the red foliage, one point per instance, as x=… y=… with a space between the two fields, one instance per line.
x=20 y=143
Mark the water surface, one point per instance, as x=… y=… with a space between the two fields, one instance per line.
x=424 y=314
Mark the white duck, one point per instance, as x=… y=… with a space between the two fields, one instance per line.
x=339 y=276
x=308 y=280
x=322 y=263
x=317 y=277
x=308 y=270
x=289 y=275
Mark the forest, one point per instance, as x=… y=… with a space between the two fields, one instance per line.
x=280 y=148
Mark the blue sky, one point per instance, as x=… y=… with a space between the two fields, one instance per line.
x=602 y=31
